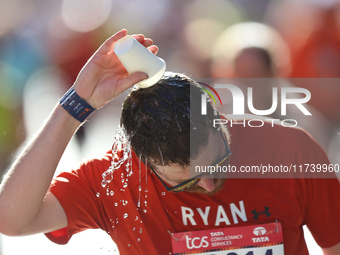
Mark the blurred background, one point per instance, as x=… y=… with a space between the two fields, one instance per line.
x=44 y=44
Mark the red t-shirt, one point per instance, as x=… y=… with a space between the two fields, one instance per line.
x=134 y=208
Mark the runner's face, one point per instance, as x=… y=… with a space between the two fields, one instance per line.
x=175 y=174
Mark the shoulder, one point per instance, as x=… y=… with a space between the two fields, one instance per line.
x=95 y=165
x=112 y=168
x=87 y=173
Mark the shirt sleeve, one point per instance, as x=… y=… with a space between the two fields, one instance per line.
x=79 y=198
x=323 y=213
x=322 y=194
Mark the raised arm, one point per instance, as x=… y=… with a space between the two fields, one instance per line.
x=26 y=207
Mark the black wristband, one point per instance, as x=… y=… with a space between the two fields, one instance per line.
x=76 y=106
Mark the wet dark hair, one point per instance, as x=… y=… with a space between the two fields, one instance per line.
x=160 y=121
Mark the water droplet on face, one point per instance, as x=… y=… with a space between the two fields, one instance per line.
x=129 y=245
x=178 y=125
x=133 y=229
x=138 y=239
x=163 y=193
x=145 y=211
x=116 y=204
x=162 y=160
x=98 y=194
x=125 y=185
x=111 y=193
x=125 y=215
x=140 y=230
x=136 y=218
x=124 y=202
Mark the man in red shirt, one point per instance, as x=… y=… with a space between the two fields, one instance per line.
x=146 y=198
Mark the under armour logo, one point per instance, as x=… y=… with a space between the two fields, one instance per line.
x=256 y=214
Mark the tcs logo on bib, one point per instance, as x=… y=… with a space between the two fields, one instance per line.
x=196 y=242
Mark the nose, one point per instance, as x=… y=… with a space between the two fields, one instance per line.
x=207 y=183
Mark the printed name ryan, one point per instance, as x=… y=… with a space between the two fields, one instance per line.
x=188 y=214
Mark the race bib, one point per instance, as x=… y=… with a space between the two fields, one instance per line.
x=264 y=239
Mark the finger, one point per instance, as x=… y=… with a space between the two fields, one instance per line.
x=131 y=80
x=107 y=46
x=147 y=42
x=144 y=41
x=139 y=37
x=154 y=49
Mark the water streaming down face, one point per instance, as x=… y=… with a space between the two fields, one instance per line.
x=122 y=147
x=146 y=175
x=139 y=186
x=120 y=144
x=162 y=160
